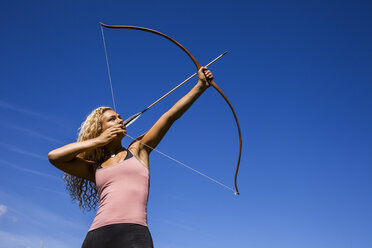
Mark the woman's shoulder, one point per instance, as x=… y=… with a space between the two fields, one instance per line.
x=136 y=148
x=136 y=145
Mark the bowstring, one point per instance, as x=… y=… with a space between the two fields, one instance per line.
x=173 y=159
x=185 y=165
x=108 y=69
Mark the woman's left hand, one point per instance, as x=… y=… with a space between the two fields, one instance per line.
x=205 y=76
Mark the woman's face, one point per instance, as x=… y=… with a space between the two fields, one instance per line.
x=110 y=118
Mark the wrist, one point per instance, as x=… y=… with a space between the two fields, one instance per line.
x=97 y=142
x=202 y=86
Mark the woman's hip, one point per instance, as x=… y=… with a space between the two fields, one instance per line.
x=122 y=235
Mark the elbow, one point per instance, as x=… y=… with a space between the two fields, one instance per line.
x=54 y=159
x=52 y=156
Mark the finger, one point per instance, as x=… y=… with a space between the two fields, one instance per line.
x=117 y=127
x=208 y=73
x=120 y=130
x=116 y=131
x=114 y=127
x=203 y=69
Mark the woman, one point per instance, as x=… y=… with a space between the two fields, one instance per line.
x=99 y=162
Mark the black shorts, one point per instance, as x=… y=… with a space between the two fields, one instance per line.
x=123 y=235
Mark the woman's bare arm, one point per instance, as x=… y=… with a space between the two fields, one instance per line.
x=65 y=158
x=68 y=152
x=156 y=133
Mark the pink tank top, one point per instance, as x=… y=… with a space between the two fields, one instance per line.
x=123 y=193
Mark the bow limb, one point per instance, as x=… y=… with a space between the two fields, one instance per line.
x=158 y=33
x=198 y=66
x=240 y=133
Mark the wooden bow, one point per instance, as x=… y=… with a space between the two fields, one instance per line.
x=198 y=66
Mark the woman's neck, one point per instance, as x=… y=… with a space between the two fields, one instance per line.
x=113 y=147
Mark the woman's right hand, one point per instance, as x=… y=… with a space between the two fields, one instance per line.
x=111 y=133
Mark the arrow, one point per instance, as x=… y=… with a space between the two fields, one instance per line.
x=133 y=118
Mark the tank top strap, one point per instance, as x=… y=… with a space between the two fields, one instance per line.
x=128 y=156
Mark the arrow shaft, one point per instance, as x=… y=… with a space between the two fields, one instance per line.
x=133 y=118
x=193 y=75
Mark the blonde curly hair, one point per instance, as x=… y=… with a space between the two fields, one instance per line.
x=80 y=189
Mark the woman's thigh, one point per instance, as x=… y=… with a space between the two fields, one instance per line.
x=124 y=235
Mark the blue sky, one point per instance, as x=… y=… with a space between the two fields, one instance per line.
x=298 y=74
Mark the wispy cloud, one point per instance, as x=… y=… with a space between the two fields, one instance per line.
x=22 y=151
x=185 y=227
x=182 y=226
x=31 y=132
x=28 y=170
x=24 y=217
x=3 y=209
x=48 y=218
x=33 y=228
x=177 y=224
x=13 y=240
x=22 y=110
x=49 y=190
